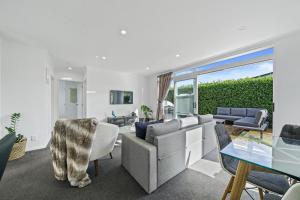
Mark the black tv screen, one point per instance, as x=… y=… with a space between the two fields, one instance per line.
x=121 y=97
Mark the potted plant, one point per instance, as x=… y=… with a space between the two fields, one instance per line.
x=18 y=149
x=147 y=112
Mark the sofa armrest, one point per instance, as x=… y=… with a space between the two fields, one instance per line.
x=171 y=155
x=140 y=159
x=209 y=137
x=169 y=143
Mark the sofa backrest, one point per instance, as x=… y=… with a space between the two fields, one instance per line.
x=251 y=112
x=223 y=111
x=205 y=118
x=241 y=112
x=154 y=130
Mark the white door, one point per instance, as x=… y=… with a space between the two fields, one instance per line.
x=186 y=97
x=71 y=99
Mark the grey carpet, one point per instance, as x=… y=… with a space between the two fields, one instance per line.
x=31 y=177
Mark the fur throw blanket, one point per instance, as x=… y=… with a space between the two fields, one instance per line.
x=70 y=148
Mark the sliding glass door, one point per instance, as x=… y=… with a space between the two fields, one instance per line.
x=186 y=97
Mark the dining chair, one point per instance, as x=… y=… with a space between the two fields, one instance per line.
x=262 y=180
x=6 y=144
x=103 y=144
x=290 y=131
x=292 y=194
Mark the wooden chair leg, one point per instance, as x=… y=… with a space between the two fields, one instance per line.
x=261 y=194
x=228 y=188
x=96 y=165
x=111 y=157
x=240 y=180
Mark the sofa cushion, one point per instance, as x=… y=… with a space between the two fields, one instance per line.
x=141 y=128
x=227 y=117
x=188 y=121
x=161 y=129
x=223 y=111
x=246 y=121
x=251 y=112
x=238 y=112
x=205 y=118
x=260 y=117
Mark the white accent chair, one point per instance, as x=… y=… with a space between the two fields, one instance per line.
x=292 y=194
x=103 y=143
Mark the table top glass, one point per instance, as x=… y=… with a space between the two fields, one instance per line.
x=283 y=156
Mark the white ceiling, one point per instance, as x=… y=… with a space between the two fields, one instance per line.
x=75 y=31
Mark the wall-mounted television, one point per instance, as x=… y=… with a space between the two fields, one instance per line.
x=121 y=97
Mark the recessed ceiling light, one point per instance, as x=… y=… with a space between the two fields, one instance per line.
x=103 y=58
x=147 y=68
x=123 y=32
x=177 y=55
x=69 y=68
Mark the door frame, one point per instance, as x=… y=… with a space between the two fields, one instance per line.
x=194 y=78
x=83 y=102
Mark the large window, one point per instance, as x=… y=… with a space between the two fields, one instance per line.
x=252 y=68
x=253 y=57
x=247 y=71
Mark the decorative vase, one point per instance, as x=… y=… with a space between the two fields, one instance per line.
x=18 y=150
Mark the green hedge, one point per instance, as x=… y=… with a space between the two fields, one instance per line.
x=249 y=92
x=245 y=93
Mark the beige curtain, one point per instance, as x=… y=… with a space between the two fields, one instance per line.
x=164 y=81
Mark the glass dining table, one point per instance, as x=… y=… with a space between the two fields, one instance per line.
x=282 y=157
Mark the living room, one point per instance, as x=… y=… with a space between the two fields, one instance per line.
x=124 y=57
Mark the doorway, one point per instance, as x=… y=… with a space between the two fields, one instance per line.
x=186 y=97
x=70 y=99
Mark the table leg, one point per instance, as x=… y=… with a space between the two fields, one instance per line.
x=228 y=188
x=240 y=180
x=261 y=194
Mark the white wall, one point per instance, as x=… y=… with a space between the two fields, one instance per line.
x=151 y=92
x=102 y=81
x=286 y=82
x=25 y=89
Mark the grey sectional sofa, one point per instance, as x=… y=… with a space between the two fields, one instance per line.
x=245 y=118
x=168 y=149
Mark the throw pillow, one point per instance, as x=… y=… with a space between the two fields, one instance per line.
x=141 y=128
x=188 y=121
